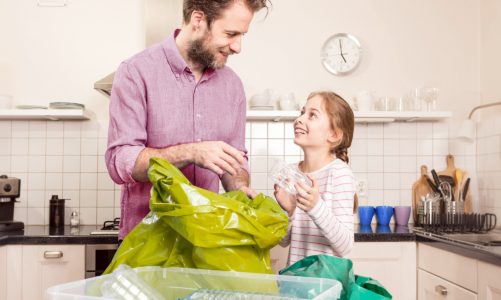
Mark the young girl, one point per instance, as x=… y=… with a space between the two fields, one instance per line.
x=321 y=215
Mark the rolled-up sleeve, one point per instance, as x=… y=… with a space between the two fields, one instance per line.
x=127 y=128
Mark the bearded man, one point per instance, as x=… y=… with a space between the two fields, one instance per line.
x=178 y=101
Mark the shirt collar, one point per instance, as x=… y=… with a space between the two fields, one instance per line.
x=176 y=61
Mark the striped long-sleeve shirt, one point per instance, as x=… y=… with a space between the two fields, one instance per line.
x=328 y=227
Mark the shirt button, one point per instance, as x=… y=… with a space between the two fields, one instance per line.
x=199 y=140
x=199 y=115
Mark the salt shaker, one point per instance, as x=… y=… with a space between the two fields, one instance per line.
x=74 y=220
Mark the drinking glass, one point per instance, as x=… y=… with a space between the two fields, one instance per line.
x=430 y=96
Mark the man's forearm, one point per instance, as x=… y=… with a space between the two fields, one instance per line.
x=235 y=182
x=179 y=155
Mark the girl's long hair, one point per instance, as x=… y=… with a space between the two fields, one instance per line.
x=343 y=119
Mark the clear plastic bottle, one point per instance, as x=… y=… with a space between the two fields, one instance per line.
x=287 y=175
x=124 y=283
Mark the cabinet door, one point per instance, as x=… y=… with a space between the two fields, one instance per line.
x=11 y=258
x=431 y=287
x=3 y=273
x=393 y=264
x=489 y=281
x=48 y=265
x=460 y=270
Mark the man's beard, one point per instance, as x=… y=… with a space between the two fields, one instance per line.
x=201 y=55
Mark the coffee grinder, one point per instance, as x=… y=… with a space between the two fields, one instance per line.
x=10 y=188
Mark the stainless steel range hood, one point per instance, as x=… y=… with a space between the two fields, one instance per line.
x=161 y=18
x=104 y=85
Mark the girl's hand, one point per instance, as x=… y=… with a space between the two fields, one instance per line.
x=285 y=200
x=307 y=196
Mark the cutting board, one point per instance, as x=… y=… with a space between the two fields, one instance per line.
x=450 y=170
x=420 y=188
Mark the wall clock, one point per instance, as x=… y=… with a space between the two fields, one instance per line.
x=341 y=53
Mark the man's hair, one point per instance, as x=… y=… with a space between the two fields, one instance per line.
x=214 y=8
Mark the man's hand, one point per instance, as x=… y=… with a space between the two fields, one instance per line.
x=248 y=191
x=218 y=157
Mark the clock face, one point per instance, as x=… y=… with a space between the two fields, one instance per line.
x=341 y=53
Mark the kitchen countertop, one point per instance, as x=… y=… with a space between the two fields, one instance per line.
x=39 y=234
x=456 y=243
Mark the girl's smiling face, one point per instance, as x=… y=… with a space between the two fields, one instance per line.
x=313 y=127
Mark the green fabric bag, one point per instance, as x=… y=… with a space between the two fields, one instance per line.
x=341 y=269
x=195 y=228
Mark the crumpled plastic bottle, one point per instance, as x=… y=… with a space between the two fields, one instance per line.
x=125 y=284
x=286 y=176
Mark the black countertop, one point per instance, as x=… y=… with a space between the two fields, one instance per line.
x=43 y=235
x=38 y=234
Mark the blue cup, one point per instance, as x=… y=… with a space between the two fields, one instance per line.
x=383 y=229
x=384 y=214
x=365 y=229
x=365 y=214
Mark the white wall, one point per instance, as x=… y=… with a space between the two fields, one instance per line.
x=489 y=119
x=406 y=44
x=57 y=53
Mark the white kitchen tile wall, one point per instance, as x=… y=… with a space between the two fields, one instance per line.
x=489 y=165
x=67 y=158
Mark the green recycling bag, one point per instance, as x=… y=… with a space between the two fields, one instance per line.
x=195 y=228
x=355 y=287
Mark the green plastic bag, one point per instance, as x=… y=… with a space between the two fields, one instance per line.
x=195 y=228
x=355 y=287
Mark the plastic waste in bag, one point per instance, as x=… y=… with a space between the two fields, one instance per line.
x=195 y=228
x=355 y=287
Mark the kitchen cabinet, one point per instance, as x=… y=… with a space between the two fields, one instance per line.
x=10 y=273
x=3 y=273
x=445 y=275
x=32 y=269
x=489 y=281
x=393 y=264
x=432 y=287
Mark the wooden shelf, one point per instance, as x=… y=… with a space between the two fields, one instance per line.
x=360 y=117
x=44 y=114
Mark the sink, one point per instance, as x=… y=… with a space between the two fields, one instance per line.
x=489 y=239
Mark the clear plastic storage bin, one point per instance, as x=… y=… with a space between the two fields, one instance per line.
x=181 y=283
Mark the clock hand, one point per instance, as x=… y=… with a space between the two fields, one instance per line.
x=341 y=51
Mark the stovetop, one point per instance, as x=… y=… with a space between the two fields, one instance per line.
x=109 y=228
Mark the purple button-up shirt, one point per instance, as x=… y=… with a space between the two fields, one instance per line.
x=156 y=102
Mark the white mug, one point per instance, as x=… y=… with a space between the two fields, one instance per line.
x=5 y=101
x=364 y=100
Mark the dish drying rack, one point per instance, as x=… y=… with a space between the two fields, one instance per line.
x=457 y=222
